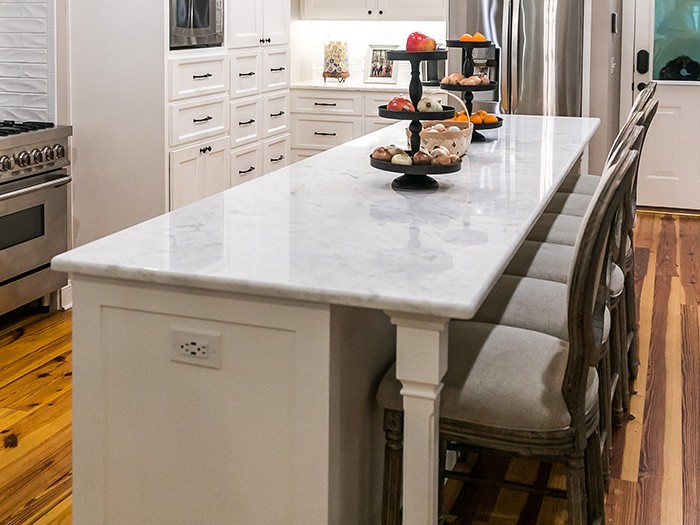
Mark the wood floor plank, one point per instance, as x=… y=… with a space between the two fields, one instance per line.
x=689 y=242
x=41 y=385
x=672 y=486
x=59 y=514
x=621 y=505
x=690 y=325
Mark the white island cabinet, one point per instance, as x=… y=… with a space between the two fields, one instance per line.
x=226 y=355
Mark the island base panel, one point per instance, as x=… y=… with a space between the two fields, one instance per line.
x=271 y=436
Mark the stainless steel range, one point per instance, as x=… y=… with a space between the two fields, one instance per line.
x=34 y=223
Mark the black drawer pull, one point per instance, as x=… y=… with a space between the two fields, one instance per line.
x=330 y=104
x=268 y=40
x=325 y=134
x=251 y=121
x=198 y=77
x=249 y=170
x=277 y=114
x=249 y=74
x=205 y=149
x=277 y=68
x=200 y=120
x=281 y=157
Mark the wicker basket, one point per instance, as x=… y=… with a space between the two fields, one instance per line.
x=456 y=142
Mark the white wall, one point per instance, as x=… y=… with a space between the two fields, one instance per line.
x=27 y=60
x=310 y=36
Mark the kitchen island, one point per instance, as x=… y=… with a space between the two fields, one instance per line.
x=226 y=355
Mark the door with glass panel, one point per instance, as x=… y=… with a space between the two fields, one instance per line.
x=667 y=47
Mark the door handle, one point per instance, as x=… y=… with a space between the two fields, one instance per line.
x=329 y=104
x=642 y=61
x=324 y=134
x=250 y=74
x=277 y=114
x=205 y=149
x=200 y=120
x=641 y=86
x=249 y=170
x=251 y=121
x=281 y=157
x=277 y=69
x=199 y=77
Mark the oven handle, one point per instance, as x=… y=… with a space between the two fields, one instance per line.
x=55 y=183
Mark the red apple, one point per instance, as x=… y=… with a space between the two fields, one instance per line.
x=400 y=104
x=419 y=42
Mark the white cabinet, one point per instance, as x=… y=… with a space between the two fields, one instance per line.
x=275 y=68
x=197 y=119
x=258 y=22
x=374 y=10
x=198 y=171
x=246 y=73
x=276 y=153
x=246 y=121
x=324 y=118
x=276 y=113
x=193 y=75
x=246 y=163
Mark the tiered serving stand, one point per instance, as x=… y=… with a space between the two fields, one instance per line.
x=468 y=91
x=416 y=177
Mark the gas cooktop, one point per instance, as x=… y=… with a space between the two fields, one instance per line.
x=11 y=127
x=28 y=148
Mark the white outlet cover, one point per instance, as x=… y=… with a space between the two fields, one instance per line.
x=186 y=336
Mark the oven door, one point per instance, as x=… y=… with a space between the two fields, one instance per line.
x=196 y=23
x=33 y=223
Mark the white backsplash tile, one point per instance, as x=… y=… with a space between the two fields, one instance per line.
x=27 y=42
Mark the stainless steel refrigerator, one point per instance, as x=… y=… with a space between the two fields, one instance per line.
x=538 y=49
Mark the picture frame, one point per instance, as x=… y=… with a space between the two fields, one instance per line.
x=377 y=68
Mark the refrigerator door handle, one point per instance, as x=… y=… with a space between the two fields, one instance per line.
x=514 y=58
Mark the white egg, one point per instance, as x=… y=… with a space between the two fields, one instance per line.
x=453 y=128
x=439 y=127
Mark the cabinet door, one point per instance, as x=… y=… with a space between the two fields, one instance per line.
x=246 y=163
x=193 y=76
x=276 y=113
x=412 y=10
x=276 y=21
x=275 y=68
x=197 y=119
x=246 y=121
x=276 y=153
x=198 y=171
x=339 y=9
x=245 y=25
x=246 y=72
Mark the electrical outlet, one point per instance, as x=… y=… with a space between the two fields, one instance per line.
x=196 y=347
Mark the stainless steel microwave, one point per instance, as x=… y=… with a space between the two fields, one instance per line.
x=196 y=23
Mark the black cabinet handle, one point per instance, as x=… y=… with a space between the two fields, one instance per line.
x=251 y=121
x=642 y=61
x=250 y=74
x=205 y=149
x=277 y=114
x=243 y=172
x=262 y=40
x=277 y=69
x=641 y=86
x=381 y=12
x=268 y=40
x=281 y=157
x=200 y=120
x=325 y=134
x=369 y=12
x=197 y=77
x=330 y=104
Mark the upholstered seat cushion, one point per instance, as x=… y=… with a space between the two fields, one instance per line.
x=542 y=260
x=530 y=304
x=555 y=228
x=584 y=184
x=501 y=377
x=569 y=204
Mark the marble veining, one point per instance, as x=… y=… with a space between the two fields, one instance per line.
x=330 y=229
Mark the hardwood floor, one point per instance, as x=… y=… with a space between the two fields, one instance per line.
x=656 y=469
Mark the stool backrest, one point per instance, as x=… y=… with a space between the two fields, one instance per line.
x=587 y=294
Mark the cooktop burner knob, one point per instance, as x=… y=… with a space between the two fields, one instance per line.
x=23 y=159
x=59 y=151
x=48 y=153
x=37 y=156
x=6 y=163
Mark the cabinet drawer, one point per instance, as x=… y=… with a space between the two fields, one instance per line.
x=246 y=121
x=246 y=163
x=246 y=73
x=275 y=68
x=326 y=101
x=276 y=113
x=276 y=153
x=377 y=123
x=375 y=99
x=198 y=119
x=316 y=132
x=197 y=76
x=297 y=154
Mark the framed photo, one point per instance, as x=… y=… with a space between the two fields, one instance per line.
x=378 y=68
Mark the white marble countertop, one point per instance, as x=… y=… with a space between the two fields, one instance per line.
x=348 y=85
x=330 y=229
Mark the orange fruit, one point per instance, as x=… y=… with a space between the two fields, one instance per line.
x=481 y=113
x=466 y=37
x=490 y=119
x=476 y=119
x=478 y=37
